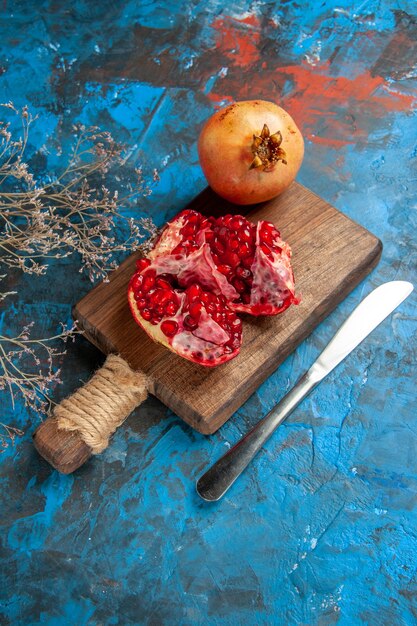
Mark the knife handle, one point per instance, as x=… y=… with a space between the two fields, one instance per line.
x=82 y=424
x=221 y=476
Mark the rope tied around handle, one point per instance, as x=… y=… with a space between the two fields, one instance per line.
x=98 y=408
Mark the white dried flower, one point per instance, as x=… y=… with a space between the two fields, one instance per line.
x=66 y=213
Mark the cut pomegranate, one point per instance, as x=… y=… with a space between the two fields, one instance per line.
x=194 y=323
x=202 y=271
x=249 y=264
x=259 y=261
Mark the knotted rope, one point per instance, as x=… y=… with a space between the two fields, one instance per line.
x=98 y=408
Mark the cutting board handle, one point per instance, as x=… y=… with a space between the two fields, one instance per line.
x=82 y=424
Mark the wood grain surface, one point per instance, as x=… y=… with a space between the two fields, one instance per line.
x=331 y=255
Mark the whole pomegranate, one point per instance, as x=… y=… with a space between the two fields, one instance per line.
x=250 y=151
x=202 y=271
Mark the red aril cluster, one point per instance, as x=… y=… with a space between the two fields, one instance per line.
x=194 y=224
x=202 y=271
x=154 y=295
x=232 y=242
x=193 y=322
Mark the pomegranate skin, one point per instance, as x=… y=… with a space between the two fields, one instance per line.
x=225 y=149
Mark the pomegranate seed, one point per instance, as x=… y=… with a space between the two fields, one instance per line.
x=268 y=226
x=237 y=223
x=237 y=323
x=152 y=294
x=171 y=308
x=162 y=296
x=169 y=328
x=239 y=285
x=265 y=249
x=209 y=236
x=193 y=217
x=137 y=281
x=233 y=244
x=231 y=316
x=210 y=307
x=245 y=234
x=141 y=264
x=195 y=309
x=267 y=237
x=160 y=310
x=215 y=258
x=190 y=323
x=163 y=283
x=219 y=247
x=188 y=230
x=245 y=298
x=243 y=272
x=244 y=250
x=148 y=283
x=208 y=297
x=224 y=269
x=247 y=262
x=194 y=291
x=231 y=258
x=141 y=303
x=146 y=314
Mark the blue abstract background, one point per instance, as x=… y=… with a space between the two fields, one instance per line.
x=322 y=527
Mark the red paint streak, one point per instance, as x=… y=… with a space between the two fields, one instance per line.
x=331 y=110
x=219 y=101
x=252 y=20
x=238 y=39
x=338 y=103
x=332 y=143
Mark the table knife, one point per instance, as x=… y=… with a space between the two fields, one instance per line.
x=360 y=323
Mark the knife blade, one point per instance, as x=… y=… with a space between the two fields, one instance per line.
x=361 y=322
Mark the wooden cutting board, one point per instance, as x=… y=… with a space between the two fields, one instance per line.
x=331 y=255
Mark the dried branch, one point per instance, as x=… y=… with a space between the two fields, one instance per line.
x=7 y=435
x=28 y=368
x=71 y=212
